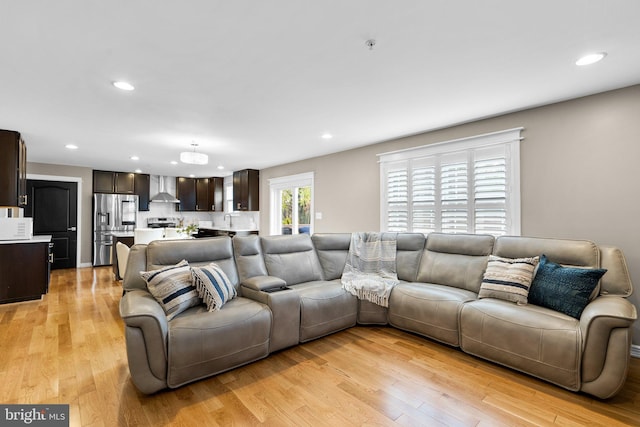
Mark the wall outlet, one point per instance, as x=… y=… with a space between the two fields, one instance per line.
x=318 y=215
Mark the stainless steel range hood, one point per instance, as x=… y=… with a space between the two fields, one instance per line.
x=163 y=196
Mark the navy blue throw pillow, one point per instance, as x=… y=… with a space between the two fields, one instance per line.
x=563 y=289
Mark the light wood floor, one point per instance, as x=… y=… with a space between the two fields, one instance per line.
x=69 y=348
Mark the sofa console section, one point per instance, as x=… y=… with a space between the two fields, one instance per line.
x=285 y=314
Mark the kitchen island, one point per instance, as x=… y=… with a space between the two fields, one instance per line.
x=25 y=266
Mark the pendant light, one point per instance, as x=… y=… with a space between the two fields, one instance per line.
x=194 y=158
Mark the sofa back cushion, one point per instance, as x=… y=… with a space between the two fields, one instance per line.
x=570 y=253
x=457 y=260
x=409 y=250
x=198 y=252
x=291 y=258
x=332 y=250
x=248 y=254
x=566 y=252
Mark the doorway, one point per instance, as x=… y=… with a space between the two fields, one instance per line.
x=292 y=204
x=53 y=207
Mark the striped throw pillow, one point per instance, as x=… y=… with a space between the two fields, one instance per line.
x=173 y=288
x=508 y=278
x=214 y=287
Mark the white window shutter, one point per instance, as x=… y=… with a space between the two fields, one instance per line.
x=470 y=185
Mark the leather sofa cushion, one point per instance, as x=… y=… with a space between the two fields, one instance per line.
x=428 y=309
x=291 y=258
x=197 y=252
x=531 y=339
x=332 y=249
x=409 y=253
x=248 y=255
x=456 y=260
x=204 y=343
x=324 y=308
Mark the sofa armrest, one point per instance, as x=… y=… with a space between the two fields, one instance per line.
x=599 y=319
x=146 y=334
x=260 y=283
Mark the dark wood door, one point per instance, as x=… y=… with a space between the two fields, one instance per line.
x=54 y=209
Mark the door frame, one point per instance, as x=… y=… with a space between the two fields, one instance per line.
x=78 y=181
x=288 y=182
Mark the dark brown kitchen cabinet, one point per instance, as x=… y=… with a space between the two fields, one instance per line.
x=216 y=194
x=113 y=182
x=123 y=183
x=186 y=193
x=18 y=283
x=246 y=190
x=202 y=194
x=141 y=189
x=13 y=169
x=199 y=194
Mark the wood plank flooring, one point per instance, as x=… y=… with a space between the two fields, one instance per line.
x=69 y=348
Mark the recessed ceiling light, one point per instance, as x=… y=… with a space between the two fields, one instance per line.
x=220 y=167
x=327 y=136
x=134 y=158
x=123 y=85
x=591 y=58
x=71 y=147
x=173 y=162
x=138 y=171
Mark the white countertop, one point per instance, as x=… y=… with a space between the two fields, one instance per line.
x=225 y=228
x=33 y=239
x=122 y=233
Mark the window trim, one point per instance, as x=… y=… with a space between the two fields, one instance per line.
x=282 y=183
x=510 y=138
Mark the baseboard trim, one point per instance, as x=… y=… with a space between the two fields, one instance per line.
x=635 y=350
x=85 y=265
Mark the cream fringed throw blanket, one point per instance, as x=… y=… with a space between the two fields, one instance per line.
x=370 y=271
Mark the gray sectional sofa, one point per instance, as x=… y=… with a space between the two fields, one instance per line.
x=437 y=297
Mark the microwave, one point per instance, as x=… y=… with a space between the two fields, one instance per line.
x=16 y=228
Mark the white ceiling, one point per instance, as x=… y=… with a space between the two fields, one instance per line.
x=256 y=83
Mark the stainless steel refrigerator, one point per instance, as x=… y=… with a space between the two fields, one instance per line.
x=111 y=213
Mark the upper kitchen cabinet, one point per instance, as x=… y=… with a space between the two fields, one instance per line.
x=141 y=184
x=246 y=190
x=200 y=194
x=113 y=182
x=123 y=183
x=13 y=169
x=186 y=193
x=216 y=194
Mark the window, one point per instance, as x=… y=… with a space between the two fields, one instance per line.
x=292 y=204
x=228 y=196
x=469 y=185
